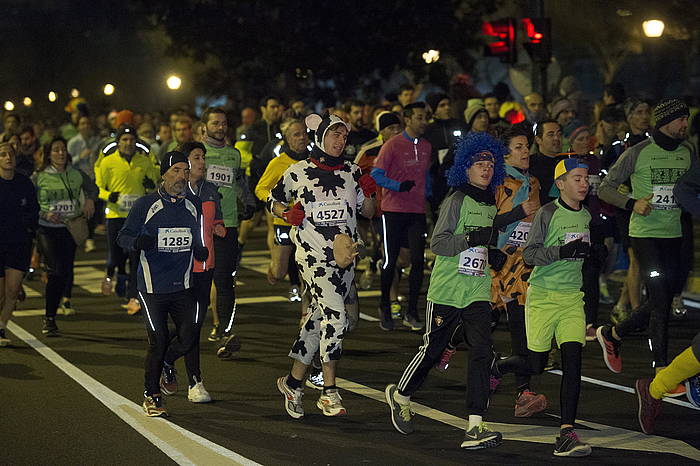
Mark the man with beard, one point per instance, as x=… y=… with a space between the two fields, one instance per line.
x=29 y=153
x=358 y=133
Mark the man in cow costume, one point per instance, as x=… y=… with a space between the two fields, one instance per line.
x=321 y=197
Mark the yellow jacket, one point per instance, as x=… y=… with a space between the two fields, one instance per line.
x=115 y=174
x=274 y=171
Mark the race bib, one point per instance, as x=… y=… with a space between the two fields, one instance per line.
x=663 y=198
x=329 y=213
x=220 y=175
x=64 y=208
x=519 y=236
x=473 y=261
x=126 y=201
x=174 y=239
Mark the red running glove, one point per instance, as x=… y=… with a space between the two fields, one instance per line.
x=368 y=185
x=295 y=215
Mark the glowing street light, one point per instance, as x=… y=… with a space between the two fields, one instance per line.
x=52 y=96
x=9 y=106
x=173 y=82
x=653 y=28
x=108 y=89
x=431 y=56
x=75 y=93
x=27 y=102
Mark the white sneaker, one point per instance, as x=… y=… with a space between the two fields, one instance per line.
x=90 y=245
x=198 y=394
x=292 y=398
x=331 y=404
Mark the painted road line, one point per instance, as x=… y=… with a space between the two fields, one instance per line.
x=181 y=445
x=603 y=436
x=624 y=388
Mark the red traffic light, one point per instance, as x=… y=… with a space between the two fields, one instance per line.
x=500 y=39
x=539 y=43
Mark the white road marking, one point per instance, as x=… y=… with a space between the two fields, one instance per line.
x=181 y=445
x=603 y=435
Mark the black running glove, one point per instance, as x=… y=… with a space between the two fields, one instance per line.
x=484 y=236
x=113 y=196
x=148 y=183
x=406 y=186
x=200 y=253
x=577 y=249
x=145 y=242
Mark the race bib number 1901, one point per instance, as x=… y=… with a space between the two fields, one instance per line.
x=220 y=175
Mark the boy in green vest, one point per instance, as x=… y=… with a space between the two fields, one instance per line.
x=464 y=241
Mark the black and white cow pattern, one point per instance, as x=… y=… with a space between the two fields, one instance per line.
x=329 y=285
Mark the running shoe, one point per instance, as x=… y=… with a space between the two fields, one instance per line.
x=552 y=362
x=481 y=436
x=231 y=344
x=692 y=390
x=529 y=403
x=331 y=404
x=153 y=406
x=385 y=321
x=198 y=394
x=315 y=379
x=590 y=333
x=412 y=323
x=168 y=380
x=494 y=382
x=292 y=398
x=618 y=314
x=90 y=245
x=401 y=414
x=611 y=348
x=395 y=309
x=66 y=309
x=678 y=309
x=648 y=407
x=106 y=287
x=444 y=362
x=679 y=390
x=133 y=307
x=50 y=329
x=4 y=341
x=570 y=445
x=294 y=294
x=120 y=287
x=21 y=294
x=214 y=335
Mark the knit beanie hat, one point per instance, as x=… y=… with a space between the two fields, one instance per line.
x=668 y=110
x=434 y=99
x=125 y=129
x=125 y=117
x=560 y=106
x=170 y=159
x=472 y=111
x=385 y=119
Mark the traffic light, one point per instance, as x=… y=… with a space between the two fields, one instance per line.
x=500 y=39
x=538 y=32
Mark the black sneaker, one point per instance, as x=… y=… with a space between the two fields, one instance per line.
x=4 y=341
x=385 y=321
x=168 y=380
x=481 y=437
x=50 y=329
x=552 y=362
x=569 y=444
x=231 y=344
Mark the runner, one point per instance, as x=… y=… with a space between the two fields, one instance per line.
x=460 y=284
x=19 y=213
x=328 y=193
x=165 y=229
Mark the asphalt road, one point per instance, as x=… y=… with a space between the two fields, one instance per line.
x=76 y=399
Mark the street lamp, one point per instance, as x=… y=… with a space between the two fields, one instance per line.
x=9 y=106
x=108 y=89
x=653 y=28
x=52 y=96
x=27 y=102
x=173 y=82
x=431 y=56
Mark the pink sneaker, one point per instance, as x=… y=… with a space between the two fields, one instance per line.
x=494 y=382
x=529 y=403
x=445 y=359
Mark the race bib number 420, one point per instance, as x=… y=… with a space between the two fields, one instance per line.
x=174 y=239
x=519 y=236
x=663 y=198
x=473 y=261
x=329 y=213
x=220 y=175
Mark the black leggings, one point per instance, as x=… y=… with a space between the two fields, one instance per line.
x=659 y=264
x=116 y=258
x=518 y=340
x=182 y=307
x=590 y=273
x=201 y=286
x=226 y=252
x=399 y=227
x=293 y=270
x=570 y=387
x=57 y=247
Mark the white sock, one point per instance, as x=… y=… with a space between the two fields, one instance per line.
x=401 y=399
x=474 y=421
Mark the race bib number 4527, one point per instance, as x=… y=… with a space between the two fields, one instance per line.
x=220 y=175
x=329 y=213
x=174 y=239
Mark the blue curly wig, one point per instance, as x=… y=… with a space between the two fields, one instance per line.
x=469 y=145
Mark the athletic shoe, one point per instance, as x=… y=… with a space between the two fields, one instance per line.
x=401 y=414
x=90 y=245
x=590 y=333
x=678 y=309
x=120 y=287
x=679 y=390
x=570 y=445
x=106 y=286
x=168 y=380
x=385 y=322
x=481 y=437
x=198 y=394
x=231 y=344
x=294 y=294
x=611 y=348
x=4 y=341
x=214 y=335
x=133 y=307
x=292 y=398
x=21 y=294
x=494 y=382
x=315 y=379
x=50 y=329
x=153 y=406
x=618 y=314
x=66 y=309
x=444 y=362
x=330 y=403
x=529 y=403
x=412 y=323
x=692 y=390
x=648 y=407
x=552 y=362
x=395 y=310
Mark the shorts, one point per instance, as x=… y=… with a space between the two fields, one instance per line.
x=282 y=235
x=553 y=313
x=15 y=256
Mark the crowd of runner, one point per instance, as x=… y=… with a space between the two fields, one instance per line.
x=526 y=209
